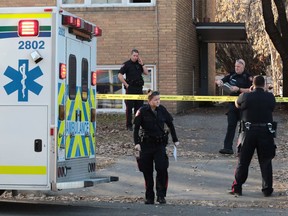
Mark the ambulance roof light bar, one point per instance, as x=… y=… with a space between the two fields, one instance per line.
x=83 y=30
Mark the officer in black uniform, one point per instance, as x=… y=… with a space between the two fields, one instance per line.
x=133 y=68
x=257 y=132
x=239 y=81
x=152 y=145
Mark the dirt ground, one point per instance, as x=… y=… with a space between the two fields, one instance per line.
x=200 y=131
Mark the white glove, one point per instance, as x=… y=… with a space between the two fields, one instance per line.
x=137 y=147
x=176 y=143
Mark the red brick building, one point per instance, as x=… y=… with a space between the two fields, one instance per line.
x=164 y=32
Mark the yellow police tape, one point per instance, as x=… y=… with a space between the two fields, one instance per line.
x=177 y=98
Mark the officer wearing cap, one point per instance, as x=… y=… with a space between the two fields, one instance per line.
x=133 y=83
x=257 y=132
x=239 y=81
x=152 y=145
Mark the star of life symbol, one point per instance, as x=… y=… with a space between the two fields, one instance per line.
x=23 y=80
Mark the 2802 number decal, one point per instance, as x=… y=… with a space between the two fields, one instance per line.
x=31 y=45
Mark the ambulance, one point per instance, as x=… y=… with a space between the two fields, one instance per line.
x=47 y=100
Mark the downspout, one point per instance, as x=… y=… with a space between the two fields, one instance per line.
x=158 y=45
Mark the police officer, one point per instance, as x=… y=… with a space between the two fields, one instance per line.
x=240 y=81
x=133 y=84
x=257 y=133
x=152 y=145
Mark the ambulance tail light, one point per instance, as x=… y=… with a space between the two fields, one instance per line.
x=62 y=71
x=93 y=78
x=97 y=31
x=28 y=28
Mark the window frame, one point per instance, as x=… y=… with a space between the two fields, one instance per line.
x=152 y=70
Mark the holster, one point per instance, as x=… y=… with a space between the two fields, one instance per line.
x=273 y=128
x=135 y=83
x=156 y=139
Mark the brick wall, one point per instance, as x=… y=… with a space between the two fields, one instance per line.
x=187 y=53
x=123 y=29
x=27 y=3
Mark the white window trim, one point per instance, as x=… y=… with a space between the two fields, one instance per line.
x=125 y=3
x=117 y=67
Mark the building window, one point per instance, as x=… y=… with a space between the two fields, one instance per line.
x=108 y=83
x=107 y=3
x=140 y=1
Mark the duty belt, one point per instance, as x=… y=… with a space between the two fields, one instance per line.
x=248 y=125
x=156 y=139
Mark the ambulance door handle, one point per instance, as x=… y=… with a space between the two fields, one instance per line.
x=38 y=145
x=78 y=115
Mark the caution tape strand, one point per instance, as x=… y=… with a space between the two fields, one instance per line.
x=177 y=98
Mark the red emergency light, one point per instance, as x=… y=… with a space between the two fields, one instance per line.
x=28 y=28
x=62 y=71
x=83 y=30
x=97 y=31
x=69 y=21
x=93 y=78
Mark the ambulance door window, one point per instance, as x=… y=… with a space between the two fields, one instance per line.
x=84 y=79
x=72 y=77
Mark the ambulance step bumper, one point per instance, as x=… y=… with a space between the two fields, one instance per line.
x=84 y=183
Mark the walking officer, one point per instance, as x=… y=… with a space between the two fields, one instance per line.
x=257 y=132
x=152 y=145
x=239 y=81
x=133 y=83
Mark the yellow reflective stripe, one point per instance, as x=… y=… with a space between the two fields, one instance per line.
x=61 y=93
x=25 y=15
x=21 y=170
x=177 y=98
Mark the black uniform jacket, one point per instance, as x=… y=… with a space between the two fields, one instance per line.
x=133 y=70
x=243 y=80
x=257 y=106
x=151 y=122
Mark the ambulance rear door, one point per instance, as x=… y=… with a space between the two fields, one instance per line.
x=80 y=141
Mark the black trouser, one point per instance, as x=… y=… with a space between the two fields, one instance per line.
x=130 y=104
x=233 y=116
x=154 y=153
x=262 y=140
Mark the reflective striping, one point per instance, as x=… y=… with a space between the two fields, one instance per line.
x=92 y=140
x=25 y=15
x=61 y=124
x=23 y=170
x=177 y=98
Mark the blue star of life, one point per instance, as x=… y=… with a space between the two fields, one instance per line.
x=23 y=80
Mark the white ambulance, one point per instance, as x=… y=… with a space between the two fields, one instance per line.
x=47 y=100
